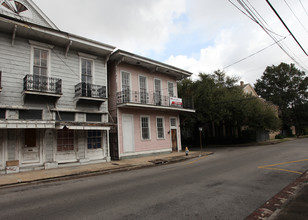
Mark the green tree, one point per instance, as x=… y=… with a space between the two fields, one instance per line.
x=219 y=102
x=286 y=86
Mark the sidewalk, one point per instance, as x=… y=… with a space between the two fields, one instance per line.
x=290 y=203
x=97 y=168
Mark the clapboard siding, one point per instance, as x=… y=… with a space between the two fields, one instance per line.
x=15 y=65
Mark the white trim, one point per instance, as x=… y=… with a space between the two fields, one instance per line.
x=87 y=56
x=32 y=58
x=161 y=86
x=146 y=84
x=80 y=127
x=149 y=125
x=158 y=138
x=133 y=131
x=130 y=79
x=146 y=152
x=40 y=44
x=174 y=88
x=176 y=126
x=129 y=105
x=92 y=68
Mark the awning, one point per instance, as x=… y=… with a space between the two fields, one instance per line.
x=18 y=124
x=81 y=127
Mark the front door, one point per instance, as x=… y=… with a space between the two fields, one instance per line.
x=31 y=147
x=128 y=133
x=174 y=139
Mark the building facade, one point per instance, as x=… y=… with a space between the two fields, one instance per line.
x=143 y=102
x=53 y=99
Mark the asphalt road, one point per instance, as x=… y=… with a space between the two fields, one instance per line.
x=230 y=184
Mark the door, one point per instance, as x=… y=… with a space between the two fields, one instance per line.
x=174 y=139
x=31 y=147
x=128 y=133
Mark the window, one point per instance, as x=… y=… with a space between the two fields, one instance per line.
x=145 y=128
x=94 y=139
x=157 y=90
x=126 y=86
x=2 y=113
x=30 y=114
x=93 y=117
x=40 y=62
x=170 y=89
x=65 y=116
x=65 y=140
x=86 y=71
x=30 y=138
x=143 y=89
x=173 y=122
x=160 y=127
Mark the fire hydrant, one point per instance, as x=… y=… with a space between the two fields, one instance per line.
x=186 y=151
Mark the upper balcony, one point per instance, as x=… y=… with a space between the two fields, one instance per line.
x=130 y=98
x=35 y=85
x=86 y=92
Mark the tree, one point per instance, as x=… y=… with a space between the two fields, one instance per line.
x=222 y=106
x=285 y=86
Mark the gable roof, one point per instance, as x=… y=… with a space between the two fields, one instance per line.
x=248 y=89
x=26 y=11
x=122 y=56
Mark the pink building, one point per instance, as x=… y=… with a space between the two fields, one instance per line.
x=144 y=104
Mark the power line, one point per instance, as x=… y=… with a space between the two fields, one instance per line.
x=266 y=30
x=303 y=7
x=286 y=26
x=295 y=16
x=253 y=54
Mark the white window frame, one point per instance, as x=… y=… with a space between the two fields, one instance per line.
x=149 y=127
x=146 y=84
x=36 y=46
x=174 y=92
x=164 y=136
x=161 y=86
x=90 y=58
x=130 y=79
x=176 y=123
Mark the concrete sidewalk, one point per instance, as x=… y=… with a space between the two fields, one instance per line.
x=93 y=169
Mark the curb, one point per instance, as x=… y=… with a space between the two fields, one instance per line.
x=83 y=174
x=274 y=206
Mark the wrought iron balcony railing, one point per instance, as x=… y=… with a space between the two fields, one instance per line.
x=155 y=99
x=43 y=84
x=90 y=91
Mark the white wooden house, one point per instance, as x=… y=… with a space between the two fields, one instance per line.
x=53 y=96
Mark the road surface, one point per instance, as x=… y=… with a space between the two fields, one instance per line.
x=230 y=184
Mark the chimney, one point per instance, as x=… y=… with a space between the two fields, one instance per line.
x=242 y=83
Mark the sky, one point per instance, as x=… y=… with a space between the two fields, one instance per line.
x=199 y=36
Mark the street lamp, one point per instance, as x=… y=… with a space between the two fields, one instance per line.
x=200 y=129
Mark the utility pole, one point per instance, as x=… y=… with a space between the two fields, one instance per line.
x=200 y=129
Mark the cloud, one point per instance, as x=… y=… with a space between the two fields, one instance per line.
x=135 y=25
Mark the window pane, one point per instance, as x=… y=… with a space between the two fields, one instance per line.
x=94 y=139
x=145 y=128
x=170 y=89
x=160 y=128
